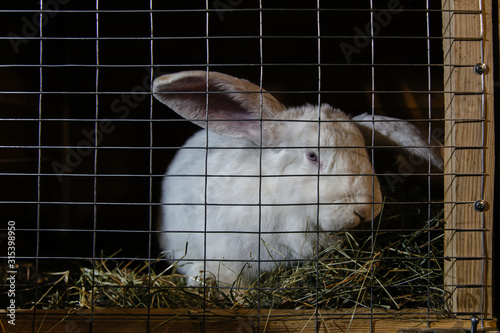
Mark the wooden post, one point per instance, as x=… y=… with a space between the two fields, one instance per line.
x=469 y=155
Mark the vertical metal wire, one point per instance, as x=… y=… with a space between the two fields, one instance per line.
x=429 y=164
x=150 y=207
x=483 y=166
x=318 y=27
x=207 y=35
x=39 y=157
x=373 y=230
x=95 y=124
x=261 y=79
x=94 y=231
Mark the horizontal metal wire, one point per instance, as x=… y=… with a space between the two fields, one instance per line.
x=352 y=231
x=281 y=260
x=263 y=315
x=185 y=120
x=104 y=203
x=291 y=92
x=92 y=147
x=239 y=37
x=172 y=287
x=86 y=258
x=304 y=64
x=229 y=9
x=161 y=175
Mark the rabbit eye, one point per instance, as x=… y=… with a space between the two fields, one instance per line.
x=312 y=156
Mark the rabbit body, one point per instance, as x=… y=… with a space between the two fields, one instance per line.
x=263 y=203
x=262 y=185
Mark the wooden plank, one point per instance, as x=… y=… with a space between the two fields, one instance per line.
x=218 y=320
x=489 y=157
x=469 y=168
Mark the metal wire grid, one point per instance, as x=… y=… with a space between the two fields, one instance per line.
x=40 y=202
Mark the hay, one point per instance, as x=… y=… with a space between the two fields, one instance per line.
x=388 y=270
x=381 y=269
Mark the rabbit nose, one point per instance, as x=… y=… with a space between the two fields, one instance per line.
x=366 y=211
x=363 y=218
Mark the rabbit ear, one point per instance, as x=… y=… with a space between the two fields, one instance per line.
x=396 y=132
x=238 y=103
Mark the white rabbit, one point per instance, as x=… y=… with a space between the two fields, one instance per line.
x=265 y=184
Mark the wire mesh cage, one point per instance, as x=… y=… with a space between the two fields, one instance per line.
x=330 y=165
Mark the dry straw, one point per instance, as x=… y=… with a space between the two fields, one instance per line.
x=381 y=268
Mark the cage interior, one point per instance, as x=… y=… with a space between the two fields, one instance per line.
x=86 y=145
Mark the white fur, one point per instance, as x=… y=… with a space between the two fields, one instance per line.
x=254 y=197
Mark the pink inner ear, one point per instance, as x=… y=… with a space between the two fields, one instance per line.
x=192 y=94
x=188 y=97
x=222 y=106
x=236 y=121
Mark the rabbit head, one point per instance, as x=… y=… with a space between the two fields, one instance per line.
x=263 y=179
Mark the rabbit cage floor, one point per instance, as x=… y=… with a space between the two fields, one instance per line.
x=397 y=265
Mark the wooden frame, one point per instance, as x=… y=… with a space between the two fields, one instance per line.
x=469 y=154
x=216 y=320
x=469 y=174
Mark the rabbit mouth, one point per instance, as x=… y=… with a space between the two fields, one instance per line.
x=347 y=214
x=361 y=217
